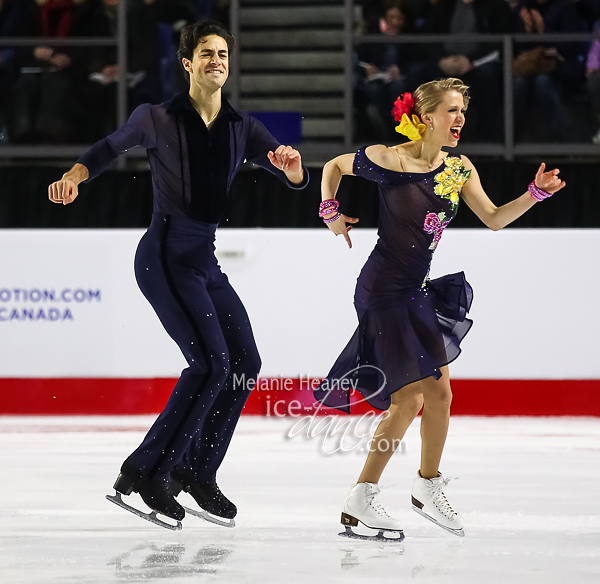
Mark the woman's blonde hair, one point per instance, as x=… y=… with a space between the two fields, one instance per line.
x=429 y=95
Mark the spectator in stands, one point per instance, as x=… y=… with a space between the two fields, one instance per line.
x=98 y=70
x=478 y=64
x=383 y=70
x=17 y=18
x=171 y=17
x=371 y=15
x=42 y=110
x=548 y=72
x=593 y=77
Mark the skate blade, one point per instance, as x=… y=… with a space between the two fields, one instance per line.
x=116 y=499
x=458 y=532
x=210 y=518
x=379 y=537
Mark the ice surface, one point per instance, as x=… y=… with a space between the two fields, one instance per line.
x=529 y=491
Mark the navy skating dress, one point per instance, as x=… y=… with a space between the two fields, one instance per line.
x=409 y=325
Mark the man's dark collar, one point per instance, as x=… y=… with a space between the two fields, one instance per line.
x=182 y=102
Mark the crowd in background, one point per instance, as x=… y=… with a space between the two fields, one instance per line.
x=64 y=94
x=553 y=83
x=54 y=94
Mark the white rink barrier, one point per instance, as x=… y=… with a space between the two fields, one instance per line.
x=70 y=306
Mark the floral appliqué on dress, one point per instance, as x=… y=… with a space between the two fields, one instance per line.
x=449 y=182
x=448 y=185
x=435 y=224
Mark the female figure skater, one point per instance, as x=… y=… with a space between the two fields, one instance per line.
x=410 y=327
x=195 y=145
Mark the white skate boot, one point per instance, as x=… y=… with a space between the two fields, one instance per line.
x=361 y=504
x=429 y=500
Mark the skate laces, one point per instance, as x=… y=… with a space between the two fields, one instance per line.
x=439 y=497
x=371 y=498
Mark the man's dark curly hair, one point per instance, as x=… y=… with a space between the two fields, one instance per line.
x=191 y=35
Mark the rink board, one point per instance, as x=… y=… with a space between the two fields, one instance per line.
x=70 y=310
x=472 y=397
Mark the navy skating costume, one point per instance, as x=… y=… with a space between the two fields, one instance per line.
x=175 y=266
x=409 y=326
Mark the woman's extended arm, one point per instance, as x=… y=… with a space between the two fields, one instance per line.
x=498 y=217
x=332 y=176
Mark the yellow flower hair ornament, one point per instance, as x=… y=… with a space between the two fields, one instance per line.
x=412 y=129
x=410 y=124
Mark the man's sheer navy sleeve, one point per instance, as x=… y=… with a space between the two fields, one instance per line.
x=138 y=131
x=260 y=141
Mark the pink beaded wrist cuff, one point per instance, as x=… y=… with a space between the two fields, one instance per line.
x=332 y=219
x=328 y=211
x=537 y=193
x=328 y=206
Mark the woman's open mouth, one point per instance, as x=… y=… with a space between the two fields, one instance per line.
x=455 y=132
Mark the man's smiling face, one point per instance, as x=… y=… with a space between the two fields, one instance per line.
x=209 y=67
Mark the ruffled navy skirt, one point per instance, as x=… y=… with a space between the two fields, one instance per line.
x=399 y=341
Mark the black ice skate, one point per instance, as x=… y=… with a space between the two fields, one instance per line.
x=155 y=493
x=215 y=507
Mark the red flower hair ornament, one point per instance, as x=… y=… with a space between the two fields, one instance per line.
x=403 y=112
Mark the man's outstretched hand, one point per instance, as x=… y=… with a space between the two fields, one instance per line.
x=288 y=160
x=65 y=190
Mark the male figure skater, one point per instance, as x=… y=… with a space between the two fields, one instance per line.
x=195 y=145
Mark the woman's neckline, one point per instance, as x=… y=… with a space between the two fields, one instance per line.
x=364 y=151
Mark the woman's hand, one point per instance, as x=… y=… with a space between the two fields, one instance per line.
x=339 y=226
x=548 y=181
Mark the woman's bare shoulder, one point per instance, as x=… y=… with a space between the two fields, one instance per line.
x=382 y=155
x=467 y=163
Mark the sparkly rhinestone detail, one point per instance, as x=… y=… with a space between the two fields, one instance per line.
x=449 y=182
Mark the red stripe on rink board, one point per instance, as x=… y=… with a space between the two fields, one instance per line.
x=281 y=397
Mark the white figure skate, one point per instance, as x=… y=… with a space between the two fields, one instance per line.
x=429 y=500
x=361 y=505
